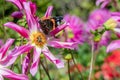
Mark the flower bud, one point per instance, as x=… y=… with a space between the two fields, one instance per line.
x=110 y=24
x=68 y=57
x=97 y=38
x=41 y=55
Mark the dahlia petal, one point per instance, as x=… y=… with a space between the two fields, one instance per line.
x=115 y=16
x=5 y=47
x=11 y=75
x=104 y=4
x=57 y=44
x=37 y=53
x=113 y=45
x=105 y=38
x=25 y=63
x=17 y=3
x=33 y=8
x=22 y=31
x=32 y=24
x=58 y=29
x=48 y=12
x=36 y=56
x=1 y=78
x=20 y=50
x=98 y=2
x=10 y=59
x=115 y=13
x=117 y=30
x=52 y=58
x=17 y=14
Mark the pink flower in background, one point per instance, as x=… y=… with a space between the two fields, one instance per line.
x=95 y=23
x=102 y=3
x=75 y=32
x=97 y=18
x=38 y=40
x=8 y=59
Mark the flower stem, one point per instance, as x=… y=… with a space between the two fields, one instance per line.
x=93 y=58
x=45 y=70
x=69 y=70
x=77 y=66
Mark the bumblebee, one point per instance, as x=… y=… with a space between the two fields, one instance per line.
x=49 y=24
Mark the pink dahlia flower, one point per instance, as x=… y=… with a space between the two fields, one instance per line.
x=76 y=27
x=95 y=23
x=38 y=40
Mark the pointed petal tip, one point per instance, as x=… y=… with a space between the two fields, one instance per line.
x=113 y=46
x=59 y=64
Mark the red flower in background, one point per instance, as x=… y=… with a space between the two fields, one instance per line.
x=114 y=58
x=111 y=67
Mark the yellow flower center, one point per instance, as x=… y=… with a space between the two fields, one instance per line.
x=38 y=39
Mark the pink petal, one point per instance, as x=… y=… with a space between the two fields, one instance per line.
x=48 y=12
x=105 y=38
x=98 y=2
x=53 y=59
x=11 y=75
x=5 y=47
x=1 y=78
x=32 y=23
x=58 y=29
x=115 y=16
x=36 y=56
x=33 y=8
x=17 y=14
x=57 y=44
x=25 y=63
x=10 y=59
x=22 y=31
x=17 y=3
x=20 y=50
x=113 y=45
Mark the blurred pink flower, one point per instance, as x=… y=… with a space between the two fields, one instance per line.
x=97 y=18
x=8 y=59
x=74 y=32
x=95 y=23
x=38 y=40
